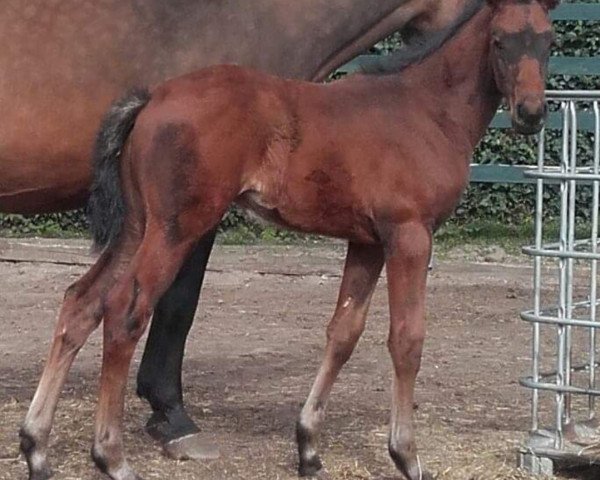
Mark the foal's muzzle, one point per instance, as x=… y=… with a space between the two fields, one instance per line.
x=529 y=116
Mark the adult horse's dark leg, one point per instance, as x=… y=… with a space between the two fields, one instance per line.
x=159 y=376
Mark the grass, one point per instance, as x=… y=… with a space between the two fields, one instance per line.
x=511 y=237
x=477 y=233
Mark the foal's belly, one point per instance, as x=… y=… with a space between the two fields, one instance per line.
x=321 y=218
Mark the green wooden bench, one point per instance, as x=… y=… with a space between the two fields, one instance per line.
x=575 y=66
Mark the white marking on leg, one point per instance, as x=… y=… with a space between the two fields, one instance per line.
x=124 y=472
x=347 y=303
x=37 y=460
x=313 y=410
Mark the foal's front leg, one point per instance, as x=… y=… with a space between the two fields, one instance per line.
x=362 y=269
x=408 y=251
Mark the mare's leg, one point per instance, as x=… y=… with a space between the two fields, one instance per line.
x=80 y=314
x=407 y=256
x=159 y=376
x=362 y=269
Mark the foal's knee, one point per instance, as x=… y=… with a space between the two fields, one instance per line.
x=406 y=345
x=343 y=341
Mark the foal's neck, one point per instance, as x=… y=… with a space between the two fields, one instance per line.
x=457 y=83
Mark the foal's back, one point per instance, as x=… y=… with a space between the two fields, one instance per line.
x=327 y=159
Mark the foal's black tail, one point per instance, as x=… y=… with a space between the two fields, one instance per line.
x=106 y=206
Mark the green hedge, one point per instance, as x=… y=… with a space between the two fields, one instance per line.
x=482 y=202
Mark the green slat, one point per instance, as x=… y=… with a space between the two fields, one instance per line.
x=499 y=174
x=575 y=66
x=354 y=65
x=585 y=121
x=509 y=174
x=558 y=65
x=577 y=11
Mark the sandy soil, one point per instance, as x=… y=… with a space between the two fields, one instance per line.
x=252 y=356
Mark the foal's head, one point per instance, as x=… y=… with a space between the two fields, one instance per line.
x=521 y=40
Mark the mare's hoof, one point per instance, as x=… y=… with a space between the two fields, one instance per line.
x=165 y=427
x=155 y=425
x=192 y=447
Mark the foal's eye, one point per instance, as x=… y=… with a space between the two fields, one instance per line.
x=498 y=44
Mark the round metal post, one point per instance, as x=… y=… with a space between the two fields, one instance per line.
x=594 y=263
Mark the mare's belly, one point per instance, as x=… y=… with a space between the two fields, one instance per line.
x=42 y=184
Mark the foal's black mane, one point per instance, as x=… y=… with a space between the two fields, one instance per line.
x=421 y=48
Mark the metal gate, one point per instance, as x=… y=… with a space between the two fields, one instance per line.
x=564 y=319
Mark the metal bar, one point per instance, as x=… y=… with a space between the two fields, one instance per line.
x=558 y=321
x=555 y=245
x=545 y=252
x=576 y=306
x=579 y=95
x=563 y=175
x=562 y=282
x=594 y=264
x=553 y=387
x=537 y=281
x=570 y=247
x=578 y=368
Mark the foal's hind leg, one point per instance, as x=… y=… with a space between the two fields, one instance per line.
x=128 y=307
x=362 y=269
x=407 y=257
x=80 y=314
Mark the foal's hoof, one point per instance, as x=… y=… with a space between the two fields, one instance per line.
x=191 y=447
x=312 y=468
x=36 y=460
x=44 y=474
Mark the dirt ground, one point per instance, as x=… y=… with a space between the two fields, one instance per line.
x=254 y=351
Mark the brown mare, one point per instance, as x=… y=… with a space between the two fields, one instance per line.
x=62 y=64
x=375 y=159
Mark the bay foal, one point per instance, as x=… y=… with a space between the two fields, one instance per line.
x=64 y=62
x=379 y=159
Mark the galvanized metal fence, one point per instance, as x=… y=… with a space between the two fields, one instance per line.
x=564 y=316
